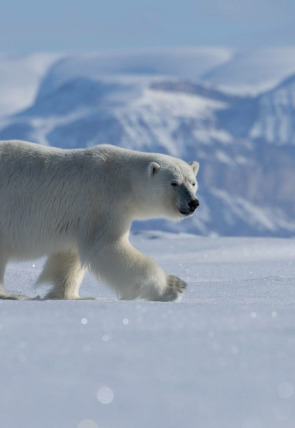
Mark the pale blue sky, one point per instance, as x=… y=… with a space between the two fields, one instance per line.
x=90 y=25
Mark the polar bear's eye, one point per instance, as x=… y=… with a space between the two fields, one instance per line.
x=174 y=184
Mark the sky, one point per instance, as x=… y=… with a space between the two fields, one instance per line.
x=91 y=25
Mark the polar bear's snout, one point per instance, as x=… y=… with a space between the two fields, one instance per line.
x=193 y=205
x=190 y=208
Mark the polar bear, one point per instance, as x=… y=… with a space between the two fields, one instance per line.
x=76 y=207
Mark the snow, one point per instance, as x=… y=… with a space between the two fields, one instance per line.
x=20 y=77
x=190 y=62
x=255 y=71
x=163 y=112
x=223 y=357
x=275 y=120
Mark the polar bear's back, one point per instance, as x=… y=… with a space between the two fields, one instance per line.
x=44 y=194
x=27 y=168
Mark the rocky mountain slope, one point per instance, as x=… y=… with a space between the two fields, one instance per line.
x=243 y=141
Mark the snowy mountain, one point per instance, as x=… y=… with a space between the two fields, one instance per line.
x=20 y=77
x=160 y=102
x=254 y=71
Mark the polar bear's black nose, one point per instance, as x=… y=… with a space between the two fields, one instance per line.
x=193 y=204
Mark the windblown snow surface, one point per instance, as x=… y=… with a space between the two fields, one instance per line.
x=222 y=358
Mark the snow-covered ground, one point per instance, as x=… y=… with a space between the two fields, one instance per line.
x=222 y=358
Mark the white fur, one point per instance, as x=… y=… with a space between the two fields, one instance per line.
x=77 y=206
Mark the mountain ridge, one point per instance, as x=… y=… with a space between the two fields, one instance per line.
x=245 y=143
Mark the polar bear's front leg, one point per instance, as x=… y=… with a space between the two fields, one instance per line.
x=134 y=275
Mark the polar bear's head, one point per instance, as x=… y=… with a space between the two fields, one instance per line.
x=169 y=188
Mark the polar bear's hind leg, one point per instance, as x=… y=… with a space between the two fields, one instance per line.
x=64 y=271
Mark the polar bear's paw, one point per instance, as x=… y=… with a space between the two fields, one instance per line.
x=6 y=296
x=175 y=289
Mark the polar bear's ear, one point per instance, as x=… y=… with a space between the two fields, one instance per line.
x=195 y=166
x=154 y=168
